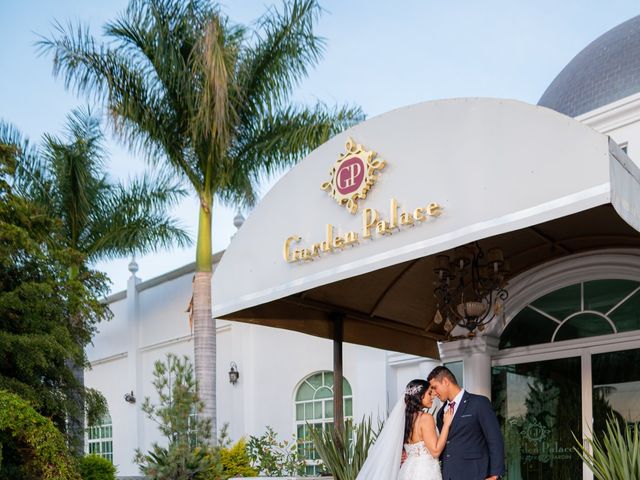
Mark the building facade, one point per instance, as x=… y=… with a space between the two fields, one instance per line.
x=562 y=356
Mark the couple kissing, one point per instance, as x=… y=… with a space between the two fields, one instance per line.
x=462 y=442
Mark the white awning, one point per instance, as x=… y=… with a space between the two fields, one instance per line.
x=494 y=167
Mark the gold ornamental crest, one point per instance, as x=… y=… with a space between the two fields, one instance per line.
x=353 y=175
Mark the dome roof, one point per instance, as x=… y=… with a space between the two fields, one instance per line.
x=607 y=70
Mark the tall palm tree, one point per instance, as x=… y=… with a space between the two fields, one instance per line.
x=209 y=98
x=101 y=219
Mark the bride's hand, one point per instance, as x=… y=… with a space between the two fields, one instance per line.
x=447 y=418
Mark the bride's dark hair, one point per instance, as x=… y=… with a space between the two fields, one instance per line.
x=413 y=394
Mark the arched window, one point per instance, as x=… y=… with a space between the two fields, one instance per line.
x=586 y=309
x=314 y=406
x=100 y=438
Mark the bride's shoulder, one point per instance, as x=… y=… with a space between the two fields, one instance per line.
x=426 y=417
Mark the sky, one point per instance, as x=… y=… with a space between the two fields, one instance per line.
x=380 y=55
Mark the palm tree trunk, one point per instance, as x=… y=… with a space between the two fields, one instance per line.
x=76 y=418
x=76 y=421
x=204 y=327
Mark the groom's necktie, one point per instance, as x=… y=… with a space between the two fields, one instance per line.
x=452 y=406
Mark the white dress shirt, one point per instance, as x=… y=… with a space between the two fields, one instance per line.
x=457 y=399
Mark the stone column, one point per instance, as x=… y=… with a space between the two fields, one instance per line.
x=475 y=354
x=477 y=373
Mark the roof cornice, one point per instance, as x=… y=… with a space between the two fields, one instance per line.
x=613 y=116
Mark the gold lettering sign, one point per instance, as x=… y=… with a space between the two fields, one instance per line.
x=373 y=226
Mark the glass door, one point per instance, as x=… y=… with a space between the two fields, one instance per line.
x=539 y=406
x=616 y=388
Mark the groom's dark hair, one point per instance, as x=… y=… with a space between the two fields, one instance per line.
x=442 y=372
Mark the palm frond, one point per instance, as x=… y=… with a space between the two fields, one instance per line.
x=134 y=96
x=137 y=235
x=281 y=140
x=284 y=49
x=134 y=219
x=214 y=62
x=76 y=163
x=31 y=178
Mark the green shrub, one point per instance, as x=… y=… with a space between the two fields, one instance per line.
x=236 y=461
x=615 y=454
x=187 y=455
x=95 y=467
x=33 y=447
x=274 y=458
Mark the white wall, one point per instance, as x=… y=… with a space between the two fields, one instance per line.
x=111 y=338
x=107 y=378
x=272 y=363
x=163 y=308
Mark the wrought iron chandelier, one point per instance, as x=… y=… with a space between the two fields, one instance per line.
x=470 y=287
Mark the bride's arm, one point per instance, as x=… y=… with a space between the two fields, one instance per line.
x=434 y=444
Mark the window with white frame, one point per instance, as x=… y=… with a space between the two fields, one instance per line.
x=314 y=408
x=100 y=438
x=586 y=309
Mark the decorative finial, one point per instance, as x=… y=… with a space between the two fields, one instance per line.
x=133 y=266
x=238 y=220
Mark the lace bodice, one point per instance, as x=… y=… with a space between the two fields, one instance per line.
x=419 y=465
x=416 y=449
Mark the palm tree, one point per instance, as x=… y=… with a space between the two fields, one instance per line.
x=210 y=98
x=100 y=219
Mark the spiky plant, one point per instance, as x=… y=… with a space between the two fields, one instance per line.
x=614 y=454
x=342 y=455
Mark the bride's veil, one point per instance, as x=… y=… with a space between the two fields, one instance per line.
x=383 y=460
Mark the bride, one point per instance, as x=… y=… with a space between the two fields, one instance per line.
x=413 y=432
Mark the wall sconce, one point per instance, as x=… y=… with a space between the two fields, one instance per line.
x=130 y=397
x=234 y=374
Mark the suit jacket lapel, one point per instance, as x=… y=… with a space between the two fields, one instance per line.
x=460 y=410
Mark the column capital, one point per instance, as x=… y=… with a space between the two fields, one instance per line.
x=458 y=349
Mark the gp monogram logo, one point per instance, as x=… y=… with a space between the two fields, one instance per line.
x=353 y=175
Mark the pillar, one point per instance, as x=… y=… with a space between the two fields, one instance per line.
x=475 y=354
x=134 y=359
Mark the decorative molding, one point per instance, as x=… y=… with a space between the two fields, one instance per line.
x=166 y=343
x=396 y=359
x=110 y=358
x=613 y=116
x=157 y=345
x=165 y=277
x=223 y=328
x=177 y=273
x=621 y=341
x=116 y=297
x=460 y=349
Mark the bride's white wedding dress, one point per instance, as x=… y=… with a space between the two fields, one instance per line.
x=419 y=465
x=383 y=461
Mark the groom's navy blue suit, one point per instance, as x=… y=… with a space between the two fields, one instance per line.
x=475 y=449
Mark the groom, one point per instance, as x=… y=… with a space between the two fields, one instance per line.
x=475 y=449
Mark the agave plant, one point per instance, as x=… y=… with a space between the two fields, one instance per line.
x=343 y=456
x=614 y=456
